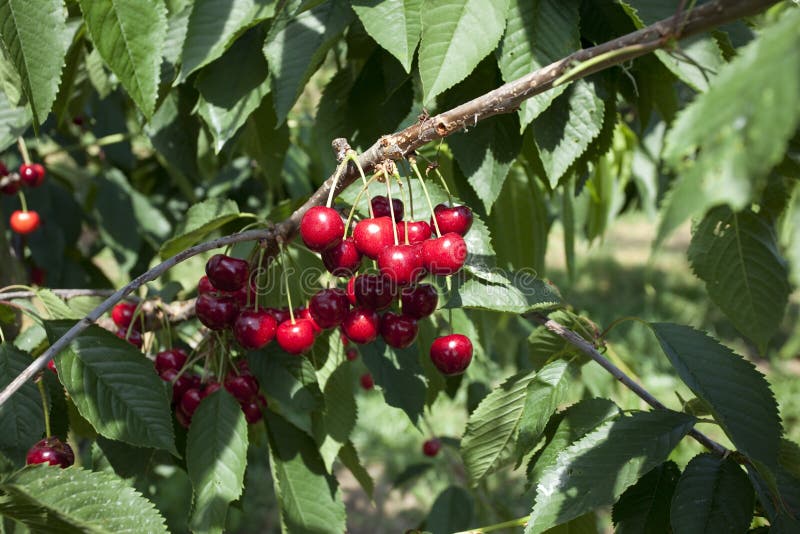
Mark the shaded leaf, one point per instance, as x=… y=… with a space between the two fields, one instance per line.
x=21 y=416
x=451 y=512
x=399 y=374
x=348 y=455
x=644 y=507
x=201 y=220
x=514 y=292
x=14 y=121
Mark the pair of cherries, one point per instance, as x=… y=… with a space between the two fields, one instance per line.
x=123 y=315
x=32 y=175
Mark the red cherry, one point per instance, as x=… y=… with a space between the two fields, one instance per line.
x=457 y=219
x=52 y=366
x=444 y=255
x=190 y=400
x=254 y=329
x=366 y=381
x=171 y=359
x=351 y=290
x=295 y=337
x=321 y=228
x=417 y=231
x=134 y=338
x=216 y=312
x=51 y=451
x=205 y=286
x=451 y=354
x=361 y=325
x=343 y=337
x=305 y=314
x=402 y=264
x=373 y=235
x=329 y=307
x=373 y=291
x=252 y=411
x=380 y=207
x=209 y=388
x=180 y=384
x=279 y=314
x=342 y=259
x=122 y=314
x=38 y=276
x=183 y=419
x=32 y=175
x=226 y=273
x=242 y=387
x=24 y=222
x=419 y=301
x=431 y=447
x=351 y=353
x=398 y=331
x=12 y=187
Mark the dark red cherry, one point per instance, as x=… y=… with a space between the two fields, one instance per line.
x=305 y=313
x=52 y=366
x=329 y=307
x=431 y=447
x=351 y=353
x=343 y=259
x=51 y=451
x=366 y=381
x=398 y=331
x=380 y=207
x=451 y=354
x=209 y=388
x=280 y=314
x=444 y=255
x=204 y=286
x=179 y=383
x=254 y=329
x=373 y=235
x=216 y=312
x=418 y=231
x=252 y=411
x=373 y=291
x=361 y=325
x=32 y=175
x=402 y=264
x=134 y=337
x=171 y=359
x=457 y=219
x=351 y=290
x=226 y=273
x=12 y=187
x=183 y=419
x=321 y=228
x=295 y=337
x=419 y=301
x=242 y=387
x=122 y=314
x=190 y=400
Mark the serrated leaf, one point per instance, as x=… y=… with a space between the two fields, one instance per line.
x=37 y=55
x=309 y=498
x=129 y=35
x=737 y=394
x=114 y=387
x=174 y=131
x=456 y=36
x=56 y=307
x=722 y=151
x=537 y=34
x=546 y=346
x=713 y=495
x=77 y=498
x=348 y=455
x=201 y=220
x=595 y=470
x=402 y=16
x=14 y=120
x=21 y=417
x=451 y=511
x=216 y=458
x=399 y=374
x=644 y=507
x=297 y=49
x=519 y=292
x=736 y=255
x=213 y=27
x=566 y=129
x=265 y=141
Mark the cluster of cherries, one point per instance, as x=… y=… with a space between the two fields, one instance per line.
x=31 y=175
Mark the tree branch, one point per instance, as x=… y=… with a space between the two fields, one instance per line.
x=505 y=99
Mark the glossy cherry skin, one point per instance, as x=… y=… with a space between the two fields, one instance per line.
x=304 y=313
x=457 y=219
x=373 y=235
x=226 y=273
x=51 y=451
x=351 y=353
x=366 y=381
x=419 y=301
x=32 y=175
x=398 y=331
x=451 y=354
x=209 y=388
x=179 y=383
x=204 y=285
x=242 y=387
x=321 y=228
x=190 y=400
x=402 y=264
x=351 y=291
x=254 y=329
x=295 y=337
x=431 y=447
x=280 y=314
x=216 y=312
x=418 y=231
x=342 y=259
x=373 y=291
x=361 y=325
x=134 y=338
x=24 y=222
x=329 y=307
x=122 y=314
x=444 y=255
x=171 y=359
x=252 y=411
x=380 y=207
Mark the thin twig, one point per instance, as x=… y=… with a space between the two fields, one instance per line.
x=63 y=293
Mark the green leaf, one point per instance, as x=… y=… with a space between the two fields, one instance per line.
x=174 y=131
x=35 y=37
x=76 y=498
x=595 y=470
x=265 y=141
x=736 y=255
x=519 y=292
x=538 y=33
x=790 y=235
x=308 y=496
x=565 y=130
x=201 y=220
x=129 y=35
x=399 y=374
x=722 y=151
x=545 y=346
x=213 y=27
x=451 y=512
x=713 y=495
x=456 y=36
x=216 y=457
x=585 y=524
x=402 y=16
x=21 y=416
x=126 y=461
x=56 y=307
x=13 y=121
x=737 y=394
x=348 y=455
x=644 y=507
x=114 y=387
x=297 y=48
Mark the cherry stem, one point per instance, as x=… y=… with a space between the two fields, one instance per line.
x=427 y=197
x=391 y=206
x=45 y=411
x=342 y=166
x=364 y=189
x=444 y=184
x=22 y=200
x=352 y=156
x=286 y=284
x=23 y=149
x=2 y=336
x=258 y=275
x=165 y=323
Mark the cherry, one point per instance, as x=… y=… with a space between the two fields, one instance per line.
x=295 y=337
x=305 y=313
x=431 y=447
x=343 y=337
x=179 y=383
x=216 y=312
x=209 y=388
x=24 y=222
x=417 y=231
x=254 y=329
x=32 y=175
x=183 y=419
x=51 y=451
x=419 y=301
x=361 y=325
x=190 y=400
x=279 y=314
x=242 y=387
x=329 y=307
x=52 y=366
x=444 y=255
x=373 y=235
x=351 y=291
x=134 y=338
x=373 y=291
x=10 y=188
x=205 y=286
x=451 y=354
x=398 y=331
x=171 y=359
x=366 y=381
x=321 y=228
x=457 y=219
x=380 y=207
x=122 y=314
x=252 y=410
x=351 y=353
x=226 y=273
x=38 y=276
x=342 y=259
x=402 y=264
